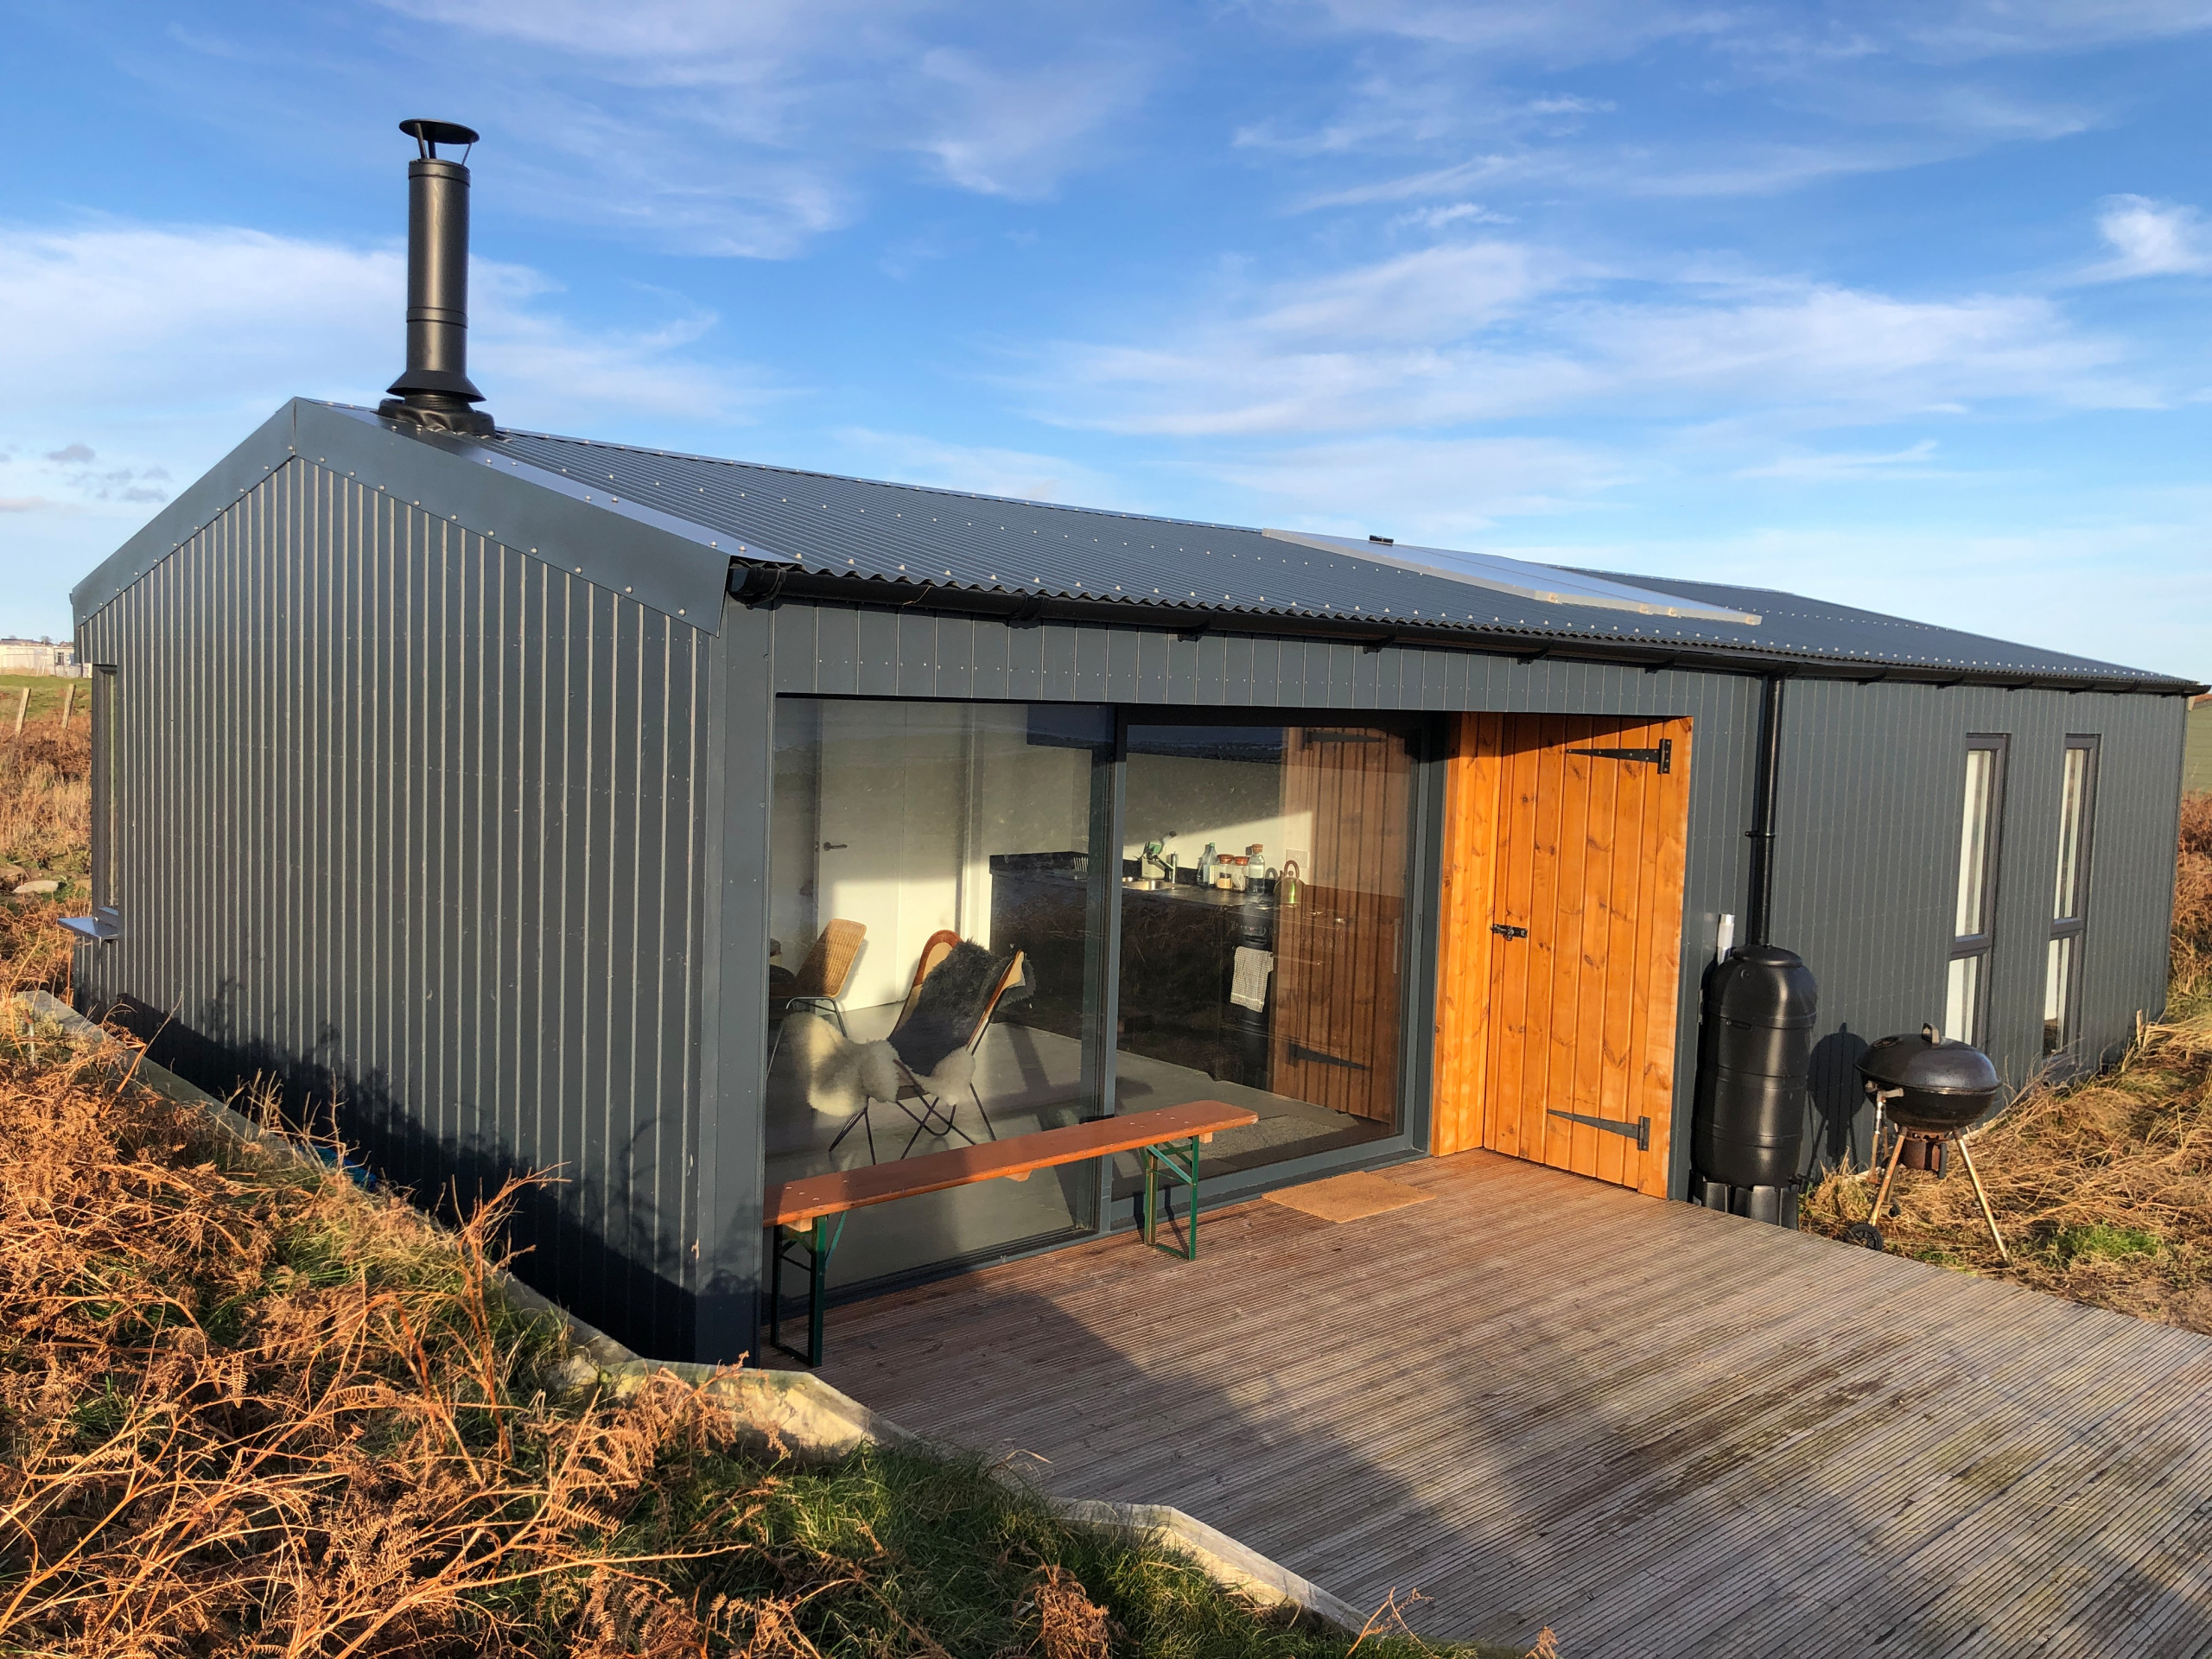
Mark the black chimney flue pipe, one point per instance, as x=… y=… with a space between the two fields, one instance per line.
x=435 y=390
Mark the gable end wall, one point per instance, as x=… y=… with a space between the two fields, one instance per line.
x=415 y=822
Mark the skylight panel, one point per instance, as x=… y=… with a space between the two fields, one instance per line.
x=1544 y=582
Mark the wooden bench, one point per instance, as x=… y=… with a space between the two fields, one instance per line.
x=811 y=1213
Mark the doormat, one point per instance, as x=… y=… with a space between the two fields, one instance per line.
x=1347 y=1198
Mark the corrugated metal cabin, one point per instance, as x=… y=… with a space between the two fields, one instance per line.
x=490 y=786
x=561 y=806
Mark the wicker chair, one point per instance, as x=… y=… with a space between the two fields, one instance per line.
x=821 y=979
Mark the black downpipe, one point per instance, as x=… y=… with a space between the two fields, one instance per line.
x=1755 y=1046
x=1759 y=916
x=435 y=390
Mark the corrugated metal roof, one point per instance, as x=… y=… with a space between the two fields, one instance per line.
x=902 y=534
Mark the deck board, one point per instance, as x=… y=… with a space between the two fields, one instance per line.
x=1538 y=1400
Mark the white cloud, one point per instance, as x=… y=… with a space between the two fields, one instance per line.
x=1493 y=331
x=1419 y=487
x=1459 y=212
x=138 y=354
x=758 y=124
x=147 y=323
x=1017 y=132
x=1571 y=32
x=1440 y=292
x=1895 y=463
x=2152 y=238
x=1434 y=181
x=1433 y=98
x=980 y=469
x=1562 y=32
x=1977 y=28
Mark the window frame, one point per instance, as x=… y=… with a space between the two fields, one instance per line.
x=2074 y=927
x=1982 y=944
x=106 y=713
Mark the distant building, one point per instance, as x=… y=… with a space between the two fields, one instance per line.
x=38 y=657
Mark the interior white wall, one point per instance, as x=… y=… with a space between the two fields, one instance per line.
x=792 y=830
x=1023 y=798
x=889 y=817
x=1189 y=800
x=887 y=814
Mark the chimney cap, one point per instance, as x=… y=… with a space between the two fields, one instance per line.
x=431 y=134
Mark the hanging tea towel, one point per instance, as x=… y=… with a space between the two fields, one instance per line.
x=1248 y=987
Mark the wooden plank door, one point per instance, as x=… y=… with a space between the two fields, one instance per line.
x=1335 y=1031
x=1560 y=942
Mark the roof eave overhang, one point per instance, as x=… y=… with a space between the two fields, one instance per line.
x=767 y=585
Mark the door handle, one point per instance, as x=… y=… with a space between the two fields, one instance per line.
x=1507 y=930
x=833 y=846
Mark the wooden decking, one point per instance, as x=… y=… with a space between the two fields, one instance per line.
x=1541 y=1401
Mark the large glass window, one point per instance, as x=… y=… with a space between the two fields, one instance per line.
x=1973 y=927
x=946 y=903
x=937 y=958
x=1264 y=880
x=2070 y=896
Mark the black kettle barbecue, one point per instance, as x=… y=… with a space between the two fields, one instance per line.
x=1933 y=1090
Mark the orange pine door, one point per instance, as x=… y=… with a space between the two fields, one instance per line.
x=1560 y=942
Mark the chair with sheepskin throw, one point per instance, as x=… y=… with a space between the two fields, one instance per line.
x=931 y=1052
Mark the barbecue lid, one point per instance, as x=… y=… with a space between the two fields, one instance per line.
x=1925 y=1060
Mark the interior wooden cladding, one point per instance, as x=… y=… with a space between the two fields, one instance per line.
x=1586 y=853
x=1334 y=1037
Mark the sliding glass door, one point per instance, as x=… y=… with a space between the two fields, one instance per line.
x=992 y=918
x=937 y=958
x=1265 y=872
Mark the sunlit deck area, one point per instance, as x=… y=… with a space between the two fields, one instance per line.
x=1539 y=1400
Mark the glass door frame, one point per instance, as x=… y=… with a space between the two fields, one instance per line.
x=1417 y=964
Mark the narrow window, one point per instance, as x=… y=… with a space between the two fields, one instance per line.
x=2070 y=901
x=107 y=796
x=1975 y=922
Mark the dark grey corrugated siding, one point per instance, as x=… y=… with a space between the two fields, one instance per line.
x=414 y=818
x=1867 y=864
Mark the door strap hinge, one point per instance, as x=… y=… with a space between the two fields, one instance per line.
x=1507 y=930
x=1639 y=1131
x=1299 y=1052
x=1663 y=757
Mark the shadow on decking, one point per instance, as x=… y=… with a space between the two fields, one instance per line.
x=1537 y=1400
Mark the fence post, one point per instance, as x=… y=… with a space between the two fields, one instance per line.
x=68 y=702
x=22 y=708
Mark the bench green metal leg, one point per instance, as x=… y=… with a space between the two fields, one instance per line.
x=819 y=1239
x=1184 y=1168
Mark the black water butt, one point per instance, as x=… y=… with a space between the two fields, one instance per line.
x=1755 y=1053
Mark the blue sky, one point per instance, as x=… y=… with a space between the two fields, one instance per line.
x=1899 y=304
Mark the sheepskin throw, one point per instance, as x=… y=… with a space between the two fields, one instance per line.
x=952 y=1002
